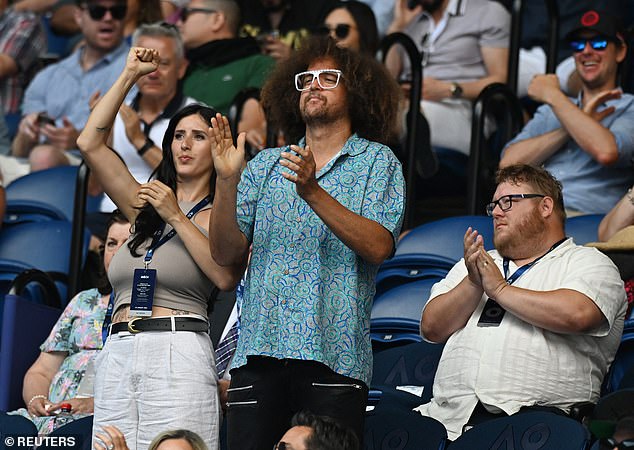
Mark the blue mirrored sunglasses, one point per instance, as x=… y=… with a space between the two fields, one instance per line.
x=599 y=44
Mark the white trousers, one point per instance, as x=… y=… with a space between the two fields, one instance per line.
x=152 y=382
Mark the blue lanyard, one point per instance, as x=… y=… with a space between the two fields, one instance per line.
x=157 y=241
x=520 y=271
x=107 y=319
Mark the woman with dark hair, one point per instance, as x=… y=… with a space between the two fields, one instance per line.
x=353 y=25
x=157 y=367
x=61 y=373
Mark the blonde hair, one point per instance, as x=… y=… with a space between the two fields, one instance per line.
x=192 y=438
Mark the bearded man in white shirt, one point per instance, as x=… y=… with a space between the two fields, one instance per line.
x=534 y=323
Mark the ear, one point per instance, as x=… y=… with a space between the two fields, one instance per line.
x=182 y=68
x=547 y=207
x=621 y=52
x=77 y=13
x=218 y=21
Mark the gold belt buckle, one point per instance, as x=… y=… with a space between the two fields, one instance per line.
x=131 y=328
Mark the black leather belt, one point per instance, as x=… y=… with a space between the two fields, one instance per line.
x=160 y=324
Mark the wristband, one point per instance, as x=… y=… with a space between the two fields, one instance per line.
x=149 y=143
x=44 y=397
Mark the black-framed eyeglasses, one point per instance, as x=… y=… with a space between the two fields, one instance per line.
x=97 y=12
x=341 y=30
x=596 y=43
x=326 y=79
x=186 y=12
x=281 y=446
x=610 y=443
x=506 y=201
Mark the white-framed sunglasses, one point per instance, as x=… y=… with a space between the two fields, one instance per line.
x=326 y=79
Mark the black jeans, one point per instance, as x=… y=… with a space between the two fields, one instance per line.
x=266 y=392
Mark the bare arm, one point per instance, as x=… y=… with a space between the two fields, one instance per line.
x=37 y=381
x=38 y=6
x=534 y=150
x=495 y=61
x=367 y=238
x=559 y=311
x=619 y=217
x=162 y=198
x=8 y=66
x=449 y=312
x=26 y=137
x=582 y=125
x=109 y=170
x=229 y=246
x=152 y=156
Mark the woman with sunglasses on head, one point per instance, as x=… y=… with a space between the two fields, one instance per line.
x=157 y=369
x=353 y=25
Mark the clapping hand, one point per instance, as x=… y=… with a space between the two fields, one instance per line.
x=227 y=157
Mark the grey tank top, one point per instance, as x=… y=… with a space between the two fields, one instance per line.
x=180 y=284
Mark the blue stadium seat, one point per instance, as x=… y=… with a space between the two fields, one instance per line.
x=25 y=325
x=583 y=229
x=45 y=195
x=444 y=238
x=407 y=365
x=396 y=312
x=623 y=361
x=40 y=245
x=534 y=430
x=79 y=430
x=391 y=428
x=14 y=426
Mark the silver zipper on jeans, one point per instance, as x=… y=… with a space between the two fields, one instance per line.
x=356 y=386
x=241 y=388
x=250 y=402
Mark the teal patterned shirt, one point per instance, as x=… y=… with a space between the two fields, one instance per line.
x=307 y=295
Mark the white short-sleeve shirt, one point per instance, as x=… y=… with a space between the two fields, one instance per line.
x=517 y=364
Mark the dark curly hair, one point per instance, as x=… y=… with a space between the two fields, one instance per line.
x=148 y=220
x=372 y=94
x=327 y=434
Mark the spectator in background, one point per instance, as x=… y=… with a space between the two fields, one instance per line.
x=140 y=125
x=465 y=48
x=352 y=25
x=534 y=39
x=586 y=142
x=310 y=432
x=220 y=63
x=535 y=322
x=65 y=365
x=141 y=12
x=619 y=217
x=383 y=11
x=281 y=25
x=22 y=41
x=113 y=439
x=56 y=103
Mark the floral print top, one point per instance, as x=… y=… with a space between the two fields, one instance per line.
x=77 y=332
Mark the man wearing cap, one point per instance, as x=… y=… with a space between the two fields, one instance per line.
x=588 y=142
x=56 y=103
x=531 y=325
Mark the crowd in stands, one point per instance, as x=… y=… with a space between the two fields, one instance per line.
x=294 y=196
